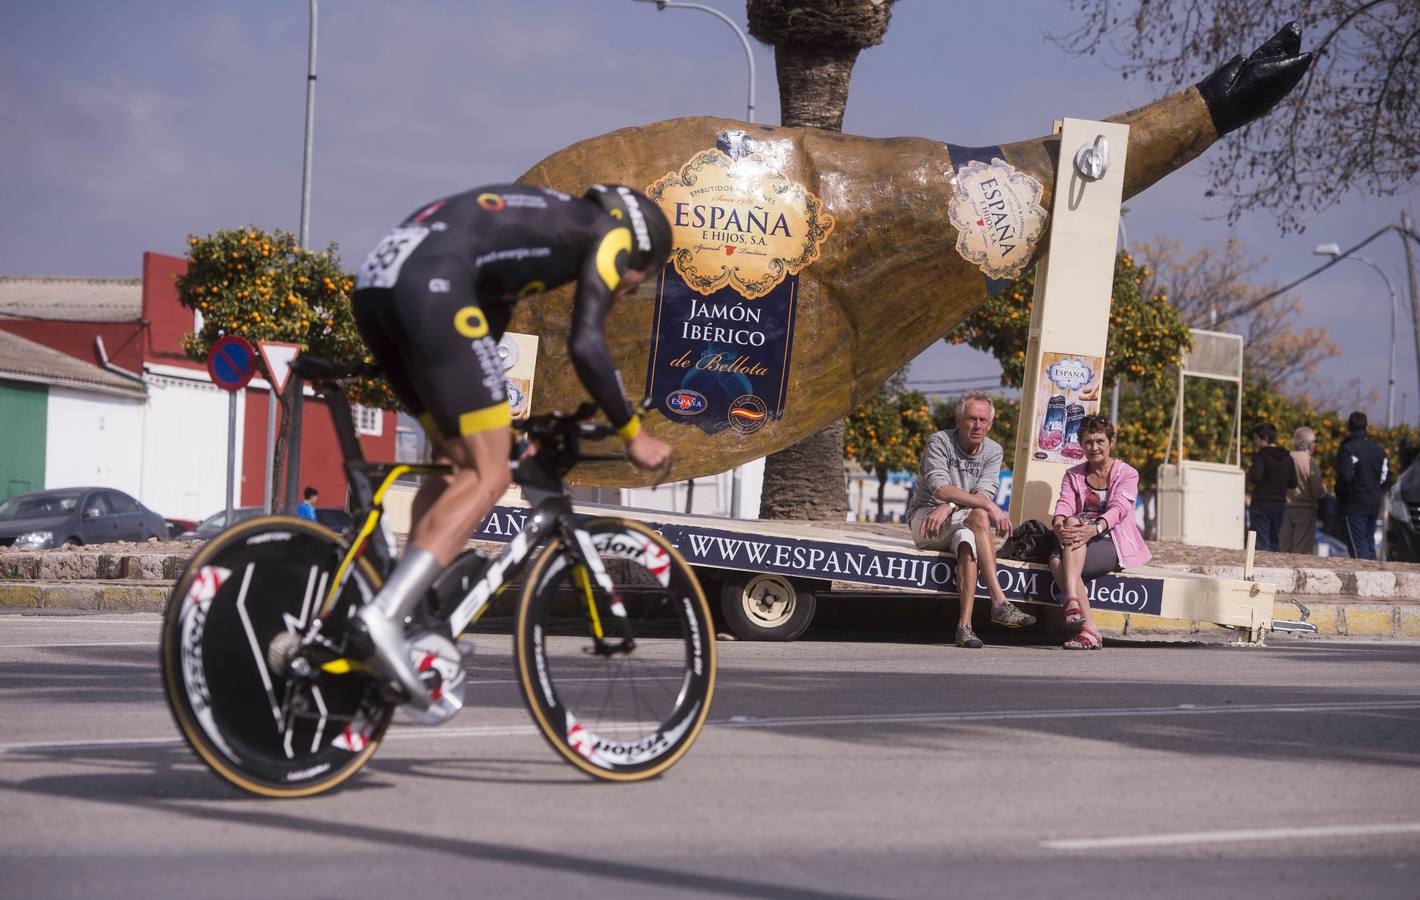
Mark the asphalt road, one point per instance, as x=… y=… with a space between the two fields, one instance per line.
x=831 y=768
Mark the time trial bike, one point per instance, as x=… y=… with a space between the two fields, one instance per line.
x=612 y=637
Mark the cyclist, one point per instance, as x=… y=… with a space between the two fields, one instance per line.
x=432 y=300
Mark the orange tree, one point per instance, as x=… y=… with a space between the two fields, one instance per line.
x=1146 y=338
x=888 y=432
x=264 y=287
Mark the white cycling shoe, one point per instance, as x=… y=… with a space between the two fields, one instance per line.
x=390 y=656
x=382 y=622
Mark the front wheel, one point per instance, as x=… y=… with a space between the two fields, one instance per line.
x=618 y=711
x=260 y=731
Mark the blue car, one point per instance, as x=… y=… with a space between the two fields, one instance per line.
x=84 y=515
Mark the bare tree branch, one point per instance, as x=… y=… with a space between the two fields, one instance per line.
x=1354 y=123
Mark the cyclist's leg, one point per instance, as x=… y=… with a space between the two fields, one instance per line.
x=452 y=367
x=480 y=476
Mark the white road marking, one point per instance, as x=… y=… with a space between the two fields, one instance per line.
x=1224 y=837
x=402 y=732
x=1187 y=709
x=148 y=619
x=94 y=644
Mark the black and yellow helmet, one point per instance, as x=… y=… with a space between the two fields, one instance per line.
x=650 y=231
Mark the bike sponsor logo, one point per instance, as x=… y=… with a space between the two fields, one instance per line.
x=354 y=738
x=196 y=603
x=698 y=664
x=686 y=403
x=540 y=663
x=304 y=774
x=491 y=202
x=268 y=537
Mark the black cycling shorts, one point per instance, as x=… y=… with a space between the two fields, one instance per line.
x=437 y=345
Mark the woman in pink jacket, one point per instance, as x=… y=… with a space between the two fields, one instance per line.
x=1094 y=527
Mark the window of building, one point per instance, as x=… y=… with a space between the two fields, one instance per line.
x=368 y=420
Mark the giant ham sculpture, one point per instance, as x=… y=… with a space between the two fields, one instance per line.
x=810 y=265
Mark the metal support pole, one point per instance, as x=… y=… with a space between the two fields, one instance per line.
x=749 y=52
x=735 y=478
x=271 y=402
x=231 y=451
x=1408 y=228
x=293 y=449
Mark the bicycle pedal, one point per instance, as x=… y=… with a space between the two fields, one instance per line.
x=440 y=664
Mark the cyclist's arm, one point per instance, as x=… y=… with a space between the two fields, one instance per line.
x=601 y=274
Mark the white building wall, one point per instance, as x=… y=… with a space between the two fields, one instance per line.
x=93 y=439
x=711 y=497
x=185 y=447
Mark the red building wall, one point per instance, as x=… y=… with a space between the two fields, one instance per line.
x=122 y=340
x=320 y=451
x=155 y=341
x=168 y=320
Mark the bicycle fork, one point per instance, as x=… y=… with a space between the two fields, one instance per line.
x=585 y=559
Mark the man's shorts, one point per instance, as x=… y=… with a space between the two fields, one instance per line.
x=954 y=532
x=437 y=345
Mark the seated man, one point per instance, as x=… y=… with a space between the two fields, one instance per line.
x=953 y=507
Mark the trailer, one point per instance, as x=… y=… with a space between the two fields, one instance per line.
x=766 y=576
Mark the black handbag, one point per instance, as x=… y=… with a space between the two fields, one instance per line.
x=1032 y=541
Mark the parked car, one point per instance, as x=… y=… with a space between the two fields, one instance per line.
x=334 y=518
x=84 y=515
x=178 y=526
x=210 y=526
x=1403 y=523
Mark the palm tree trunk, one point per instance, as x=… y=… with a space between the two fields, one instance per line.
x=805 y=480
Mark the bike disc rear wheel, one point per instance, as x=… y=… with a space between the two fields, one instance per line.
x=266 y=734
x=625 y=716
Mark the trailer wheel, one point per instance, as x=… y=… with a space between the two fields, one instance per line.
x=766 y=607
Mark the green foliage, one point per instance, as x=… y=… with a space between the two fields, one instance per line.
x=1146 y=334
x=889 y=431
x=264 y=287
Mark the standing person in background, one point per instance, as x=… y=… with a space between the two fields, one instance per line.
x=1299 y=520
x=1271 y=476
x=307 y=509
x=953 y=507
x=1362 y=471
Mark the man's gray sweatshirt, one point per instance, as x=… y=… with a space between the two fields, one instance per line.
x=944 y=462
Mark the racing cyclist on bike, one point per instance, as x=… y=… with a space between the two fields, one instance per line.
x=431 y=302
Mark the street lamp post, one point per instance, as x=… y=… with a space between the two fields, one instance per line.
x=749 y=54
x=1334 y=250
x=662 y=5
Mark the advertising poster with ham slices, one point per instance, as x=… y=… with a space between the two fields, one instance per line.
x=1069 y=390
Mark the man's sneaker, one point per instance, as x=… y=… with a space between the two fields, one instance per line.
x=1008 y=616
x=968 y=639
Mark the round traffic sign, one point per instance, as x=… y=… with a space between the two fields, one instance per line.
x=232 y=362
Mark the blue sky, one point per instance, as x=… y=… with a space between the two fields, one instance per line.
x=131 y=125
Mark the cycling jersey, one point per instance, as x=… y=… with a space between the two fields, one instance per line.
x=433 y=298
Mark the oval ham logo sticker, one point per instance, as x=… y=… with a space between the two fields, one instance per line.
x=686 y=402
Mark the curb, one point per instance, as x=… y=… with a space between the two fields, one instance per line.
x=1317 y=582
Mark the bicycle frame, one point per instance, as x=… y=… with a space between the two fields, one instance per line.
x=551 y=515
